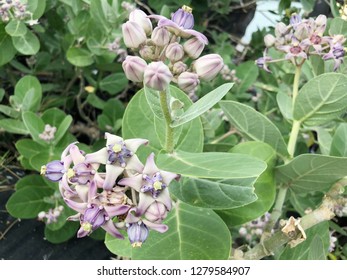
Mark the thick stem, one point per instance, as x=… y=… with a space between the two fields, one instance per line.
x=169 y=137
x=277 y=210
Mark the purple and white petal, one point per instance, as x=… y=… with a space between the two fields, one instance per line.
x=134 y=144
x=145 y=200
x=134 y=164
x=77 y=206
x=100 y=156
x=165 y=198
x=112 y=173
x=112 y=139
x=116 y=210
x=135 y=182
x=111 y=229
x=150 y=166
x=157 y=227
x=76 y=155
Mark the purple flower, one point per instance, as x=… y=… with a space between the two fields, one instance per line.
x=181 y=24
x=53 y=170
x=295 y=49
x=151 y=184
x=337 y=53
x=262 y=61
x=118 y=155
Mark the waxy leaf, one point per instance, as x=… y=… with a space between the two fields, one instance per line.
x=35 y=126
x=6 y=44
x=114 y=83
x=194 y=234
x=309 y=172
x=212 y=165
x=321 y=99
x=63 y=234
x=254 y=125
x=13 y=126
x=339 y=142
x=27 y=44
x=203 y=104
x=16 y=28
x=28 y=93
x=79 y=57
x=265 y=187
x=139 y=122
x=212 y=194
x=153 y=100
x=28 y=202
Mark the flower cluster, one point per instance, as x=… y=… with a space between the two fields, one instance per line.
x=48 y=133
x=253 y=230
x=302 y=38
x=51 y=215
x=168 y=56
x=101 y=198
x=13 y=9
x=115 y=47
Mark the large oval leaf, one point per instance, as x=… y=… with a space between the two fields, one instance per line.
x=27 y=202
x=310 y=172
x=27 y=44
x=194 y=234
x=322 y=99
x=139 y=122
x=29 y=92
x=212 y=194
x=212 y=165
x=265 y=187
x=338 y=143
x=254 y=125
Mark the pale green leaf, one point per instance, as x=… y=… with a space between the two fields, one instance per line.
x=339 y=141
x=27 y=44
x=321 y=99
x=114 y=83
x=203 y=104
x=16 y=28
x=254 y=125
x=79 y=57
x=13 y=126
x=309 y=172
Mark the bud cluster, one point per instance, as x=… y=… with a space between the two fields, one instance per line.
x=116 y=48
x=48 y=133
x=101 y=198
x=163 y=52
x=13 y=9
x=51 y=216
x=253 y=230
x=302 y=38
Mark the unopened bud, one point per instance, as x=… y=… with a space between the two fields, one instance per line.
x=193 y=47
x=174 y=52
x=160 y=36
x=147 y=52
x=156 y=212
x=133 y=34
x=269 y=40
x=141 y=19
x=157 y=76
x=134 y=68
x=188 y=81
x=280 y=29
x=179 y=67
x=208 y=66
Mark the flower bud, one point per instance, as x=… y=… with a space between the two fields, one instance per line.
x=269 y=40
x=183 y=17
x=174 y=52
x=280 y=29
x=53 y=171
x=188 y=81
x=156 y=212
x=134 y=68
x=160 y=36
x=193 y=47
x=137 y=233
x=179 y=67
x=133 y=34
x=208 y=66
x=157 y=76
x=147 y=52
x=141 y=19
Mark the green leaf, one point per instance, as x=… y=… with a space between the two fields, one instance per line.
x=28 y=202
x=13 y=126
x=139 y=122
x=153 y=100
x=284 y=102
x=324 y=140
x=265 y=187
x=119 y=247
x=321 y=99
x=29 y=91
x=43 y=157
x=35 y=180
x=338 y=26
x=62 y=129
x=79 y=57
x=308 y=5
x=27 y=44
x=35 y=126
x=309 y=172
x=65 y=233
x=28 y=148
x=208 y=165
x=6 y=44
x=254 y=125
x=16 y=28
x=338 y=144
x=67 y=212
x=96 y=101
x=53 y=116
x=194 y=234
x=114 y=83
x=37 y=7
x=248 y=73
x=212 y=194
x=334 y=8
x=111 y=118
x=315 y=247
x=9 y=111
x=203 y=104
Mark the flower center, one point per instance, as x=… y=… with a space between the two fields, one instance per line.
x=118 y=152
x=153 y=184
x=87 y=226
x=315 y=39
x=43 y=170
x=187 y=9
x=157 y=185
x=116 y=148
x=295 y=49
x=70 y=173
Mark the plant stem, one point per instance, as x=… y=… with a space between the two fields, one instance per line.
x=277 y=210
x=169 y=137
x=296 y=124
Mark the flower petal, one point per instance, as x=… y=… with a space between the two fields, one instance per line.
x=134 y=164
x=93 y=190
x=157 y=227
x=134 y=144
x=112 y=173
x=111 y=229
x=116 y=210
x=82 y=191
x=111 y=139
x=135 y=182
x=145 y=200
x=150 y=166
x=100 y=156
x=165 y=198
x=82 y=233
x=168 y=176
x=77 y=206
x=76 y=155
